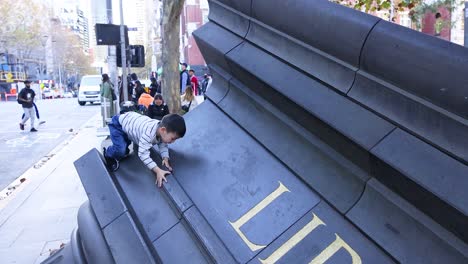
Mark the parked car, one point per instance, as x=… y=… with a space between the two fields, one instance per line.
x=68 y=95
x=47 y=94
x=90 y=90
x=58 y=93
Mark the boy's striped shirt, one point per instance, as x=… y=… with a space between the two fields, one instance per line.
x=141 y=130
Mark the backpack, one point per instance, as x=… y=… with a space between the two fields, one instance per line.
x=189 y=81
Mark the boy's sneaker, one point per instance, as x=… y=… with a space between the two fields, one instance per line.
x=33 y=130
x=112 y=164
x=21 y=126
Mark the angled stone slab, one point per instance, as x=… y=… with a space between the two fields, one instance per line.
x=126 y=243
x=149 y=203
x=231 y=14
x=430 y=179
x=100 y=188
x=430 y=68
x=92 y=238
x=207 y=237
x=335 y=119
x=178 y=246
x=438 y=126
x=215 y=41
x=403 y=231
x=313 y=45
x=421 y=86
x=177 y=195
x=228 y=174
x=306 y=155
x=220 y=84
x=322 y=236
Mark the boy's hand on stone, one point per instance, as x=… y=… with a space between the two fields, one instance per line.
x=160 y=176
x=166 y=163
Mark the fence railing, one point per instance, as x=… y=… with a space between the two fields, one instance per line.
x=7 y=76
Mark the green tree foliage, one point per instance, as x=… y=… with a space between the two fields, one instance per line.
x=378 y=5
x=22 y=25
x=67 y=50
x=28 y=24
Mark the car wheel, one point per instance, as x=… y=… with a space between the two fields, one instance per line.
x=81 y=103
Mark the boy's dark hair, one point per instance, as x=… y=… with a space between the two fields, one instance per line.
x=191 y=71
x=174 y=123
x=437 y=15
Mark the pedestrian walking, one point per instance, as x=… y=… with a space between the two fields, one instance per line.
x=184 y=78
x=206 y=83
x=154 y=87
x=107 y=93
x=37 y=114
x=194 y=83
x=139 y=90
x=189 y=102
x=132 y=85
x=26 y=99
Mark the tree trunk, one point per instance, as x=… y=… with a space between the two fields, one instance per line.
x=170 y=53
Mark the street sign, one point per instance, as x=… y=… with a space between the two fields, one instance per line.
x=132 y=29
x=9 y=77
x=109 y=34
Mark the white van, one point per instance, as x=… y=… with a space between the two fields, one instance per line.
x=90 y=90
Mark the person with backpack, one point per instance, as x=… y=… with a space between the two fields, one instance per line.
x=26 y=99
x=154 y=87
x=145 y=100
x=184 y=78
x=37 y=115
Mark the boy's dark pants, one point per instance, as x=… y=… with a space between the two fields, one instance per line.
x=120 y=141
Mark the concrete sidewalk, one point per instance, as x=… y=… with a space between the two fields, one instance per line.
x=41 y=213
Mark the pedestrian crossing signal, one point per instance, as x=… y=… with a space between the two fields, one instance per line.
x=135 y=55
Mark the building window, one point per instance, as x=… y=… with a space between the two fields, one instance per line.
x=204 y=4
x=405 y=20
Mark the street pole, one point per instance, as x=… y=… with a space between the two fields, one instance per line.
x=392 y=7
x=60 y=76
x=112 y=59
x=124 y=54
x=466 y=24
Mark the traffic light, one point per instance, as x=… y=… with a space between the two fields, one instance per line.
x=135 y=55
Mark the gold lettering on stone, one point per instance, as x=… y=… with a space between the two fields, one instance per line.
x=293 y=241
x=333 y=248
x=254 y=211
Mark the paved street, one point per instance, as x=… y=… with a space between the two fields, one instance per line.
x=19 y=150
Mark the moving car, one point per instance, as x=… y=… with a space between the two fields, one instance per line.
x=89 y=90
